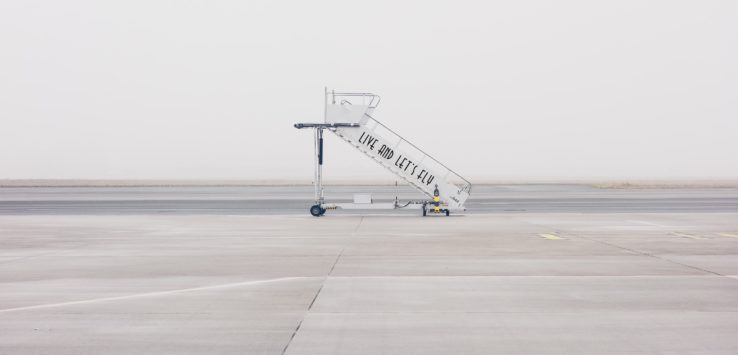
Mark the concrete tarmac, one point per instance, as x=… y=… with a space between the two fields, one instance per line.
x=298 y=199
x=586 y=279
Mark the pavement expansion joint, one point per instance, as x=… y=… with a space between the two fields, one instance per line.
x=654 y=256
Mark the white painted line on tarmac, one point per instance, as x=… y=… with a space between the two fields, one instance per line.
x=152 y=294
x=728 y=235
x=650 y=223
x=551 y=236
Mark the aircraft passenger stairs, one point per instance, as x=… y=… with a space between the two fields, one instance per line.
x=349 y=116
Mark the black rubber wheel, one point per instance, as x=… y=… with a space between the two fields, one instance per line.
x=446 y=212
x=316 y=211
x=322 y=211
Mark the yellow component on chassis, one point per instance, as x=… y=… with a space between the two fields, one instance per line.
x=436 y=204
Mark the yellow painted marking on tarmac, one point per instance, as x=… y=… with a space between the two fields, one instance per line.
x=685 y=235
x=551 y=236
x=728 y=235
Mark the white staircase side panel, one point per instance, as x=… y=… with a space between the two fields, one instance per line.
x=397 y=155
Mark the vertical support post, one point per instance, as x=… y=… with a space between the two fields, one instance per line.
x=315 y=173
x=319 y=166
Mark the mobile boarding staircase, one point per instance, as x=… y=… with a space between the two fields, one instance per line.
x=348 y=115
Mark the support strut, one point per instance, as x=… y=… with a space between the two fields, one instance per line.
x=317 y=209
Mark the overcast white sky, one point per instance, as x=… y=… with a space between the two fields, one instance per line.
x=496 y=90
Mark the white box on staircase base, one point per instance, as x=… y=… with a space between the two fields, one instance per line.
x=362 y=198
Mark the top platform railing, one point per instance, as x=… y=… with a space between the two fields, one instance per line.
x=368 y=99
